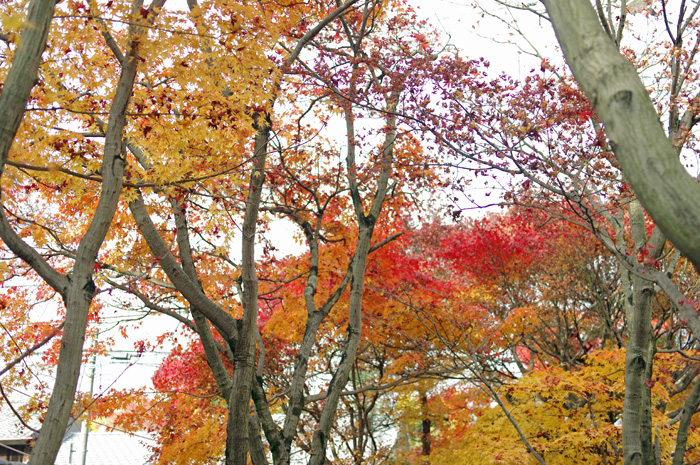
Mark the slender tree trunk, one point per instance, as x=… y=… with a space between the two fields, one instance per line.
x=650 y=446
x=352 y=341
x=366 y=223
x=689 y=408
x=81 y=288
x=636 y=442
x=244 y=347
x=425 y=428
x=637 y=435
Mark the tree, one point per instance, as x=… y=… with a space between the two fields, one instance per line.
x=189 y=412
x=64 y=158
x=545 y=137
x=647 y=157
x=525 y=294
x=225 y=131
x=553 y=319
x=681 y=110
x=369 y=81
x=75 y=287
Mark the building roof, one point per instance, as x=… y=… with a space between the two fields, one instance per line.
x=11 y=429
x=104 y=448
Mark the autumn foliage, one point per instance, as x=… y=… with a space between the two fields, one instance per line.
x=286 y=182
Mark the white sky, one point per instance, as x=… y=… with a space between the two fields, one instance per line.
x=479 y=35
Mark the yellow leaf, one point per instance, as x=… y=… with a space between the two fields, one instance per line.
x=12 y=22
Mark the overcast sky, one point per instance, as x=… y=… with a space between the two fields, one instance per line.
x=479 y=35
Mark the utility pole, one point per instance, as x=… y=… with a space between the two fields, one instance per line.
x=82 y=457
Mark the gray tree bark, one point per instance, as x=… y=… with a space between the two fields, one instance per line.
x=23 y=73
x=637 y=442
x=81 y=289
x=647 y=157
x=237 y=436
x=366 y=223
x=689 y=409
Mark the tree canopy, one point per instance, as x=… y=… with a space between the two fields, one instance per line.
x=157 y=160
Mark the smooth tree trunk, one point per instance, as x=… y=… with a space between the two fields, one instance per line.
x=637 y=435
x=23 y=73
x=81 y=288
x=689 y=409
x=366 y=223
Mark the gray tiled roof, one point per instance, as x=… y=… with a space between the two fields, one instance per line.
x=104 y=449
x=11 y=428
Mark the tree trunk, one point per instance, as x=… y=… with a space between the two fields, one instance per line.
x=23 y=73
x=81 y=288
x=425 y=428
x=648 y=159
x=366 y=223
x=689 y=408
x=244 y=347
x=636 y=443
x=637 y=435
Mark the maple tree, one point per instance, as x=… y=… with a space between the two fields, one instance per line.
x=519 y=303
x=192 y=205
x=67 y=157
x=558 y=158
x=555 y=320
x=146 y=147
x=76 y=287
x=316 y=204
x=568 y=415
x=506 y=265
x=385 y=362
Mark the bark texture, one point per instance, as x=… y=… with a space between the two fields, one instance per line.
x=237 y=435
x=647 y=157
x=23 y=73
